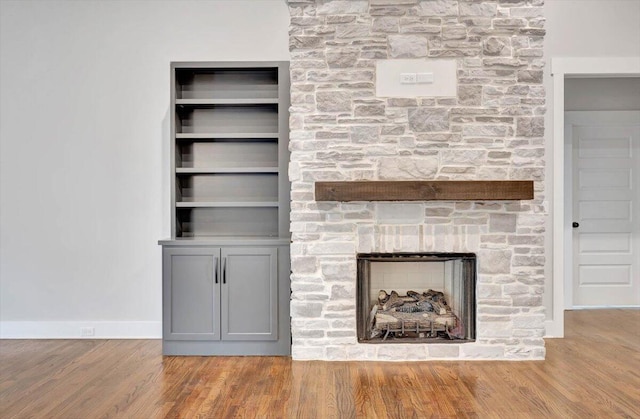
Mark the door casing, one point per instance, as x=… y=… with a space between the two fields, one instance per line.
x=560 y=68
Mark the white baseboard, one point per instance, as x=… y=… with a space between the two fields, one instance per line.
x=80 y=330
x=602 y=307
x=554 y=329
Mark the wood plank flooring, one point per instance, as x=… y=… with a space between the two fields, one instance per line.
x=593 y=372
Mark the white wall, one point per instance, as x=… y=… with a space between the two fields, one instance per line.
x=84 y=151
x=582 y=28
x=83 y=131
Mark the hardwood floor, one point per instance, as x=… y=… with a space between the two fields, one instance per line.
x=593 y=372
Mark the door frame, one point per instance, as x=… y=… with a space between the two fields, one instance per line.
x=561 y=68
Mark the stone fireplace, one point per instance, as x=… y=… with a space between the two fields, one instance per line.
x=390 y=310
x=490 y=128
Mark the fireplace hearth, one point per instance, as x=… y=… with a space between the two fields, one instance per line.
x=416 y=297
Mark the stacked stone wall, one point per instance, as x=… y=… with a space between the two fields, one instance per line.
x=492 y=129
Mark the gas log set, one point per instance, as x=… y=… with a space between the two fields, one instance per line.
x=415 y=315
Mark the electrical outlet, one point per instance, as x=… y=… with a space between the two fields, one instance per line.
x=86 y=332
x=407 y=78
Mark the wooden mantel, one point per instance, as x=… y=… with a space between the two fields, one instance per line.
x=429 y=190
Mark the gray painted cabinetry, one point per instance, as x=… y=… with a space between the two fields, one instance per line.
x=226 y=267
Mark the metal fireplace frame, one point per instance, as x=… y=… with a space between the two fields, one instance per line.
x=469 y=273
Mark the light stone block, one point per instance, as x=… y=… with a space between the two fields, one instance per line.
x=352 y=31
x=526 y=12
x=336 y=353
x=530 y=76
x=530 y=127
x=513 y=289
x=407 y=168
x=470 y=95
x=443 y=351
x=306 y=264
x=477 y=9
x=399 y=213
x=343 y=324
x=334 y=271
x=361 y=352
x=305 y=287
x=428 y=119
x=495 y=329
x=339 y=292
x=496 y=46
x=341 y=334
x=407 y=46
x=502 y=223
x=482 y=352
x=494 y=261
x=302 y=309
x=489 y=291
x=331 y=248
x=307 y=333
x=528 y=261
x=527 y=300
x=303 y=353
x=333 y=101
x=387 y=24
x=302 y=42
x=341 y=7
x=392 y=352
x=364 y=134
x=437 y=8
x=343 y=58
x=416 y=352
x=392 y=2
x=470 y=157
x=529 y=322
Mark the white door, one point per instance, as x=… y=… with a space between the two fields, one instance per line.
x=606 y=208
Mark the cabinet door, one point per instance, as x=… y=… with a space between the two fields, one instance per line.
x=250 y=293
x=191 y=293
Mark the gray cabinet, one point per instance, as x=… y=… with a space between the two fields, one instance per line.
x=191 y=293
x=226 y=268
x=226 y=297
x=249 y=293
x=221 y=294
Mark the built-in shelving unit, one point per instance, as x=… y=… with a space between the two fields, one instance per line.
x=229 y=130
x=226 y=267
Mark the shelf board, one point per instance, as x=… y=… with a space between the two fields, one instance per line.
x=204 y=170
x=209 y=102
x=434 y=190
x=226 y=240
x=225 y=135
x=227 y=204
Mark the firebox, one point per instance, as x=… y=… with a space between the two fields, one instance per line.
x=416 y=297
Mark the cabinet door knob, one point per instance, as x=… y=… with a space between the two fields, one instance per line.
x=575 y=224
x=215 y=269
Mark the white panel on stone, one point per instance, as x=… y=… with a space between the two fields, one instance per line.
x=444 y=78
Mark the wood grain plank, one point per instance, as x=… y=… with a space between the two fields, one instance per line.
x=433 y=190
x=592 y=372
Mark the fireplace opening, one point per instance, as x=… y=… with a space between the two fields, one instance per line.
x=416 y=297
